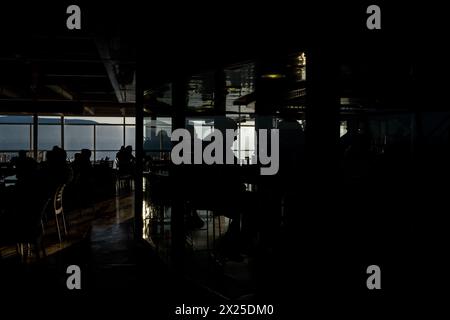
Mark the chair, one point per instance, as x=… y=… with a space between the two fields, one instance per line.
x=59 y=211
x=34 y=234
x=124 y=183
x=27 y=231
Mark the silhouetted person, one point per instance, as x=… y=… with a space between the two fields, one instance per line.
x=24 y=165
x=193 y=220
x=82 y=166
x=56 y=170
x=398 y=149
x=126 y=160
x=129 y=153
x=228 y=190
x=280 y=198
x=152 y=144
x=83 y=178
x=85 y=161
x=120 y=156
x=355 y=148
x=292 y=151
x=76 y=165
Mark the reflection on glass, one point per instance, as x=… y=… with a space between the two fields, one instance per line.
x=157 y=132
x=240 y=83
x=342 y=128
x=244 y=146
x=202 y=126
x=201 y=91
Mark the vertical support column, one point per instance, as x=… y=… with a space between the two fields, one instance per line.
x=220 y=94
x=35 y=135
x=268 y=100
x=34 y=86
x=124 y=131
x=139 y=139
x=322 y=115
x=62 y=133
x=30 y=145
x=179 y=100
x=95 y=142
x=323 y=235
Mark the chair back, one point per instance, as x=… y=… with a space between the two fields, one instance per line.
x=58 y=200
x=30 y=227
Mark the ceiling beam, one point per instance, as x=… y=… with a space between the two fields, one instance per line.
x=57 y=60
x=109 y=64
x=54 y=75
x=61 y=91
x=9 y=92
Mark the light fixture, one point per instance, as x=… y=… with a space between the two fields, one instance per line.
x=273 y=76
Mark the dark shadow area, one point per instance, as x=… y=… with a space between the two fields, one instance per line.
x=206 y=154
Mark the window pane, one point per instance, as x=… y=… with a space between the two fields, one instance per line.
x=162 y=96
x=240 y=88
x=109 y=137
x=77 y=137
x=244 y=146
x=80 y=120
x=93 y=120
x=49 y=136
x=200 y=92
x=130 y=132
x=49 y=120
x=16 y=119
x=14 y=137
x=202 y=126
x=130 y=120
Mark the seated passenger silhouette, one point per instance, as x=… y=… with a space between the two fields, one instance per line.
x=25 y=166
x=193 y=220
x=125 y=160
x=55 y=170
x=292 y=151
x=355 y=148
x=228 y=191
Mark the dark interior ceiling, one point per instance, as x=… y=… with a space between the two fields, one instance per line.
x=47 y=68
x=44 y=67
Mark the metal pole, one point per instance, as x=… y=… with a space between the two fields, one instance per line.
x=95 y=141
x=35 y=136
x=62 y=132
x=139 y=139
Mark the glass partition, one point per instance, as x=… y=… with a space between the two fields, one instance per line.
x=16 y=133
x=102 y=135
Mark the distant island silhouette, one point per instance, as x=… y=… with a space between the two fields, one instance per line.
x=29 y=120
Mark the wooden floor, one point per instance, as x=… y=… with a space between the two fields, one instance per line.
x=80 y=222
x=101 y=241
